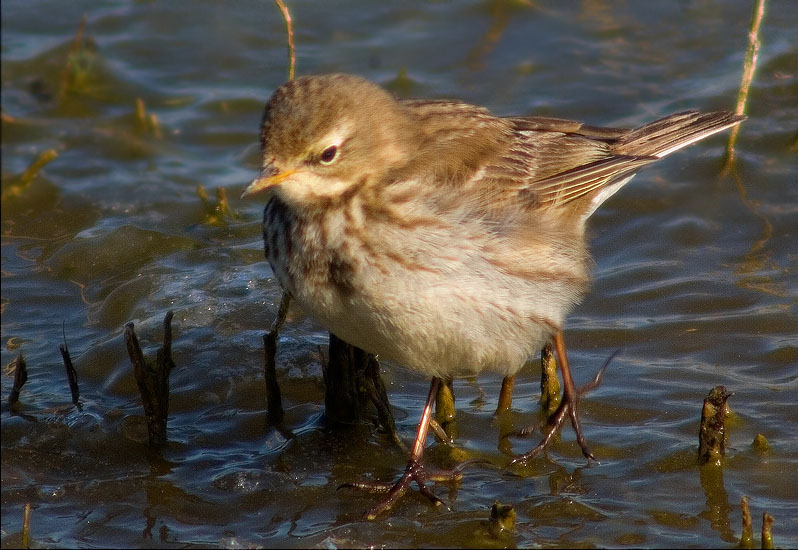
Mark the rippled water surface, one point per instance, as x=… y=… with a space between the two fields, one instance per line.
x=695 y=278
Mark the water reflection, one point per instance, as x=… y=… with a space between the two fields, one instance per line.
x=718 y=505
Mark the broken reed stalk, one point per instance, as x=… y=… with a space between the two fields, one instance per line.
x=352 y=380
x=502 y=520
x=749 y=66
x=42 y=159
x=18 y=187
x=76 y=43
x=20 y=377
x=505 y=395
x=147 y=121
x=767 y=534
x=153 y=380
x=344 y=398
x=760 y=444
x=72 y=375
x=443 y=424
x=290 y=29
x=549 y=383
x=747 y=536
x=444 y=402
x=712 y=433
x=274 y=401
x=25 y=543
x=379 y=398
x=217 y=213
x=352 y=376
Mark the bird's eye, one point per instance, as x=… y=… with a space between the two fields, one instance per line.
x=329 y=154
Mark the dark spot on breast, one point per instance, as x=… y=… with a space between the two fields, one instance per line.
x=341 y=273
x=277 y=225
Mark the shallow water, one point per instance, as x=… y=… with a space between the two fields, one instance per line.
x=695 y=278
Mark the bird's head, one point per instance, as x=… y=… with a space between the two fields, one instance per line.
x=323 y=136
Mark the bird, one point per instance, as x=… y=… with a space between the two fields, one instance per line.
x=438 y=235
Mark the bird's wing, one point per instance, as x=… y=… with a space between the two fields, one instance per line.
x=497 y=165
x=543 y=163
x=567 y=160
x=553 y=162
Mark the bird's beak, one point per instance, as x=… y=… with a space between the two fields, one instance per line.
x=268 y=178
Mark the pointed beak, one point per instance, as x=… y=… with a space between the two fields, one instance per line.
x=268 y=178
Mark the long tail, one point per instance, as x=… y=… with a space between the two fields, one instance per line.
x=629 y=151
x=666 y=135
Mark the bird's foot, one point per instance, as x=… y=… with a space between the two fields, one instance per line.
x=569 y=408
x=415 y=471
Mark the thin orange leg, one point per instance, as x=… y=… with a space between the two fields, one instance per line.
x=569 y=406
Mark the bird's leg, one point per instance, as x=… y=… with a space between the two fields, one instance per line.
x=569 y=406
x=570 y=395
x=415 y=471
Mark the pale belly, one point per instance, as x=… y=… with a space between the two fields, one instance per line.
x=443 y=302
x=453 y=325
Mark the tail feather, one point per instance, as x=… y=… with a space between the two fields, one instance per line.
x=666 y=135
x=628 y=152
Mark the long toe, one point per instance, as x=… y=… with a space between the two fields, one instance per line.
x=555 y=423
x=569 y=407
x=415 y=471
x=573 y=412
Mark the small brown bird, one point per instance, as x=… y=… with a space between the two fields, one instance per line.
x=440 y=236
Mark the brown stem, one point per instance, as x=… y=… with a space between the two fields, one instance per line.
x=549 y=384
x=20 y=377
x=505 y=395
x=290 y=29
x=72 y=375
x=749 y=66
x=712 y=433
x=153 y=380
